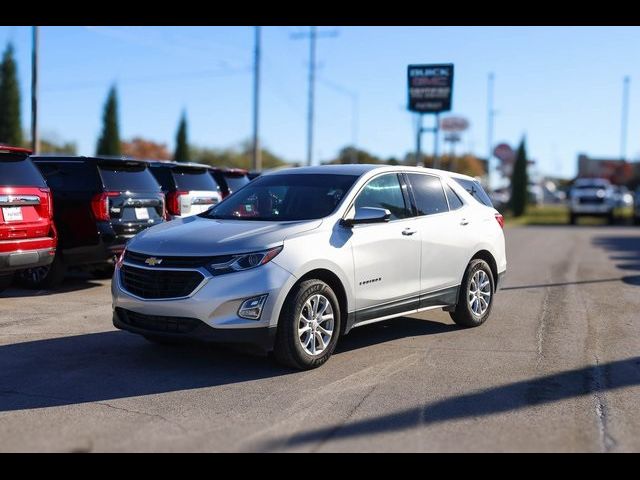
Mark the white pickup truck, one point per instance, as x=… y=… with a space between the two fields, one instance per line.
x=592 y=197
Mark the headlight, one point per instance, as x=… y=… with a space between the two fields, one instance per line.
x=245 y=261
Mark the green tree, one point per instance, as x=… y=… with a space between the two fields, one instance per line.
x=10 y=128
x=182 y=147
x=109 y=141
x=519 y=182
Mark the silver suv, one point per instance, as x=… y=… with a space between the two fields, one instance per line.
x=592 y=197
x=299 y=257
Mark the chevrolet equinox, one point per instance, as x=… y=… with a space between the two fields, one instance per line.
x=299 y=257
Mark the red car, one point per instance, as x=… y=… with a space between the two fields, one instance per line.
x=27 y=233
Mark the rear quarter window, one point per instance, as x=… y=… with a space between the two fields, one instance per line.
x=19 y=171
x=474 y=189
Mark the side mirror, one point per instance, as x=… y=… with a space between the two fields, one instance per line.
x=366 y=215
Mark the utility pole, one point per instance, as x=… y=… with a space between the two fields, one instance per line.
x=625 y=117
x=35 y=138
x=257 y=157
x=313 y=35
x=490 y=116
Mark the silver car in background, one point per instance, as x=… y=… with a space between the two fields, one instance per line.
x=299 y=257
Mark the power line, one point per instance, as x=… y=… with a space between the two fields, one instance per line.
x=153 y=79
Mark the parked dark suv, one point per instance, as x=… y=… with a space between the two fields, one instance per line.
x=27 y=233
x=188 y=187
x=230 y=179
x=99 y=204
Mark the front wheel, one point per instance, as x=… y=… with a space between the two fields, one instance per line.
x=476 y=295
x=309 y=326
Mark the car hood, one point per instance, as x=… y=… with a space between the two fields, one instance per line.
x=197 y=236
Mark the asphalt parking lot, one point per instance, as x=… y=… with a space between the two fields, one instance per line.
x=556 y=368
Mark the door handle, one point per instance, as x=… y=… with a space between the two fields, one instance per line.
x=464 y=221
x=408 y=231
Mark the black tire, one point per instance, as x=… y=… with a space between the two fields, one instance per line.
x=5 y=281
x=46 y=278
x=288 y=349
x=611 y=218
x=102 y=271
x=636 y=220
x=463 y=315
x=573 y=218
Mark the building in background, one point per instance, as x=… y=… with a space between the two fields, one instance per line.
x=618 y=172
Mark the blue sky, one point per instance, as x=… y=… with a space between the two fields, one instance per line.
x=561 y=86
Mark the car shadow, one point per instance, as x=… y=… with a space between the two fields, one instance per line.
x=390 y=330
x=103 y=366
x=626 y=251
x=73 y=281
x=509 y=397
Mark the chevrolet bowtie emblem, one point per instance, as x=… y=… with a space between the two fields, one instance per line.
x=153 y=261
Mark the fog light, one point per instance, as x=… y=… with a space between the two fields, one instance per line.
x=251 y=308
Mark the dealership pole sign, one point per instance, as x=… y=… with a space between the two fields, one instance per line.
x=430 y=87
x=430 y=91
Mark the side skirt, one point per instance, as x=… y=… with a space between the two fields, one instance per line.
x=447 y=297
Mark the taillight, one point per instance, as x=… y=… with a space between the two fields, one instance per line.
x=47 y=195
x=173 y=202
x=100 y=205
x=500 y=220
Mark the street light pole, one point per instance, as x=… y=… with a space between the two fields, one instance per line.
x=257 y=157
x=35 y=138
x=625 y=118
x=490 y=116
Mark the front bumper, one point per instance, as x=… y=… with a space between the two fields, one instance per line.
x=23 y=259
x=590 y=209
x=163 y=327
x=212 y=307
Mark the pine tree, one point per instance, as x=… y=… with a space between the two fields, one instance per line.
x=182 y=147
x=519 y=182
x=109 y=141
x=10 y=124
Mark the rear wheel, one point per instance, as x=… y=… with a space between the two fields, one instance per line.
x=573 y=218
x=5 y=281
x=309 y=326
x=476 y=295
x=49 y=276
x=636 y=220
x=611 y=218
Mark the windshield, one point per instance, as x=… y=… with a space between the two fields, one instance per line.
x=285 y=197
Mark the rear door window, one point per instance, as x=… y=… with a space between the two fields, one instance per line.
x=123 y=176
x=428 y=194
x=475 y=190
x=19 y=171
x=194 y=179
